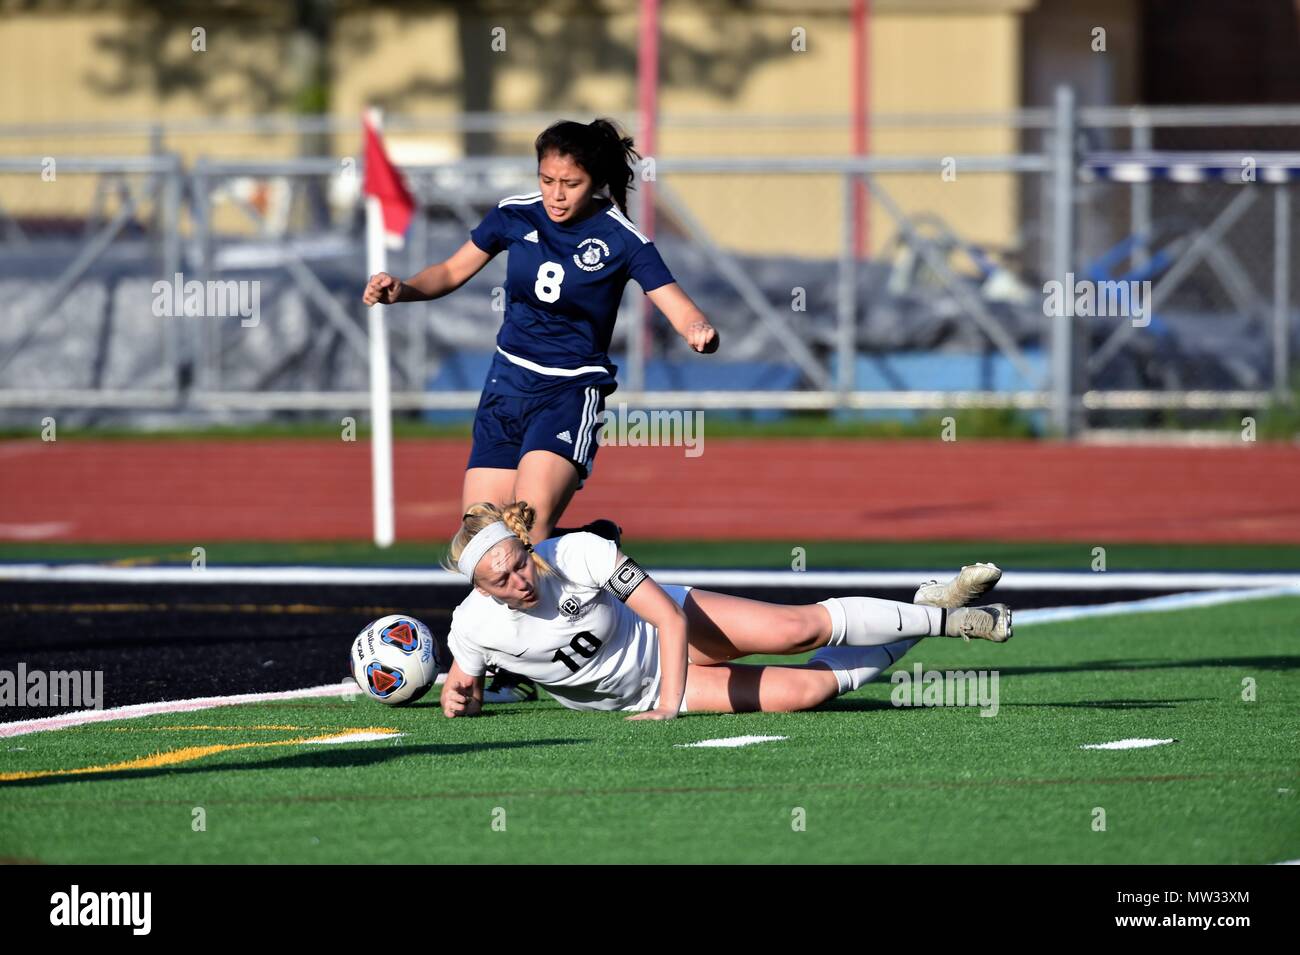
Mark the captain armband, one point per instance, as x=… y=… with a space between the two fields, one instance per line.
x=626 y=578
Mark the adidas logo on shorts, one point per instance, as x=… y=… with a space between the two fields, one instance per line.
x=565 y=437
x=531 y=237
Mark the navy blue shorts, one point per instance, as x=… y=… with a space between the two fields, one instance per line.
x=507 y=427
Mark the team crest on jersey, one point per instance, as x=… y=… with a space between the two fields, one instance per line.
x=572 y=608
x=591 y=255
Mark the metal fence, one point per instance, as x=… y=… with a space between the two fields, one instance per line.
x=84 y=325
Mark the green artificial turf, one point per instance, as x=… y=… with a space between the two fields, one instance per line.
x=871 y=782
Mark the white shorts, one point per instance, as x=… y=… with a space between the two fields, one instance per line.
x=678 y=592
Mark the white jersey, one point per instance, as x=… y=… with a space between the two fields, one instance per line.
x=580 y=642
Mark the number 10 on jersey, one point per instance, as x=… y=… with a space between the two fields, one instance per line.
x=586 y=643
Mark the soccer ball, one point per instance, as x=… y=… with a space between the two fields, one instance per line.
x=394 y=659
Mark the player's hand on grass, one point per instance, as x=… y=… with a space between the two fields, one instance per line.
x=457 y=703
x=659 y=714
x=703 y=337
x=382 y=289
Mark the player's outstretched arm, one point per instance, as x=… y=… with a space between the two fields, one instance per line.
x=649 y=602
x=436 y=281
x=462 y=694
x=685 y=316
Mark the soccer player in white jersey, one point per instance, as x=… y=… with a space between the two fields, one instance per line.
x=572 y=249
x=582 y=620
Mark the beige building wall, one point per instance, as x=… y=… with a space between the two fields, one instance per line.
x=120 y=72
x=919 y=63
x=941 y=56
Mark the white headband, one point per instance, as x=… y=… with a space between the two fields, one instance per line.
x=480 y=544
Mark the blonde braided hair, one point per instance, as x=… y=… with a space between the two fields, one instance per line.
x=519 y=517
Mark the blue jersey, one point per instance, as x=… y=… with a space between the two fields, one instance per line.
x=563 y=288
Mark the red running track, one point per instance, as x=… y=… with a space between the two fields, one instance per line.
x=188 y=491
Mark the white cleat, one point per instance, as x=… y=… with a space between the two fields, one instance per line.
x=971 y=581
x=983 y=623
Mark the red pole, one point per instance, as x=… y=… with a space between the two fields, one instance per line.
x=861 y=106
x=648 y=107
x=648 y=104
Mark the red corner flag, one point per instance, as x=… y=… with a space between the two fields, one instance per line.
x=384 y=182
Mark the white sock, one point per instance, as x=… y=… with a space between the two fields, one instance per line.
x=872 y=622
x=856 y=666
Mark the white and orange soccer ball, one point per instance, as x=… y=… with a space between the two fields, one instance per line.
x=394 y=659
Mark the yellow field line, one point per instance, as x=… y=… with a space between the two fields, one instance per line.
x=160 y=729
x=184 y=755
x=147 y=560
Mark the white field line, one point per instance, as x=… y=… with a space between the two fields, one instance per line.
x=351 y=738
x=729 y=741
x=1150 y=605
x=844 y=579
x=1129 y=744
x=84 y=717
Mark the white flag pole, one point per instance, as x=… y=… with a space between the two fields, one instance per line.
x=381 y=424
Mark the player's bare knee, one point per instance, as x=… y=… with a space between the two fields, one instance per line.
x=813 y=696
x=802 y=630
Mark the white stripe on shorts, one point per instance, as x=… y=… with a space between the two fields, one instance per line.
x=582 y=421
x=584 y=427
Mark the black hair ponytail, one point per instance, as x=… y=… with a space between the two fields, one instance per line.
x=598 y=147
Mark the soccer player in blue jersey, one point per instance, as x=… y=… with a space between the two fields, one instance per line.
x=572 y=249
